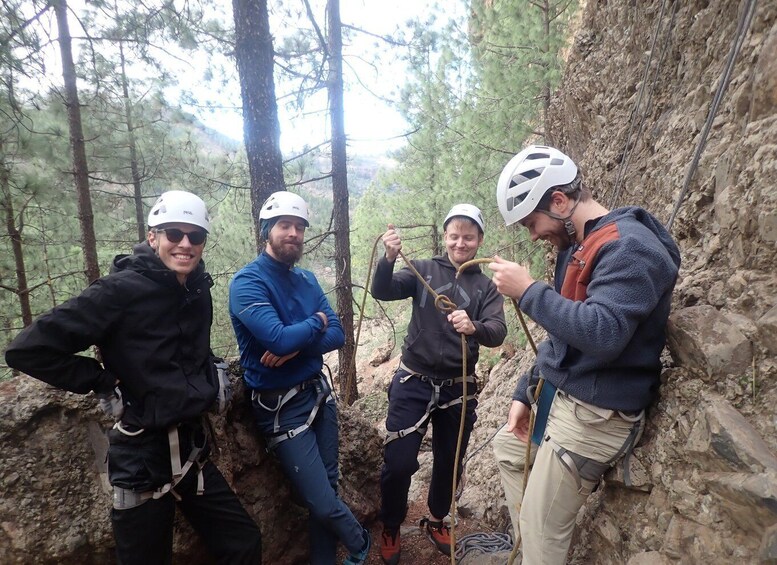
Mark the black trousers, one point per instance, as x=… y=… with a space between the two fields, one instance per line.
x=144 y=534
x=407 y=404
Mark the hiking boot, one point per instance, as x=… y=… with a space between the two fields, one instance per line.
x=439 y=533
x=389 y=546
x=361 y=557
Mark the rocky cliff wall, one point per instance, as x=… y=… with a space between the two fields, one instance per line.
x=706 y=472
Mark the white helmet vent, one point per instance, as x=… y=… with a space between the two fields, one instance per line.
x=527 y=177
x=284 y=203
x=179 y=206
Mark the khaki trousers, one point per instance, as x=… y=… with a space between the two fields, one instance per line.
x=547 y=517
x=510 y=453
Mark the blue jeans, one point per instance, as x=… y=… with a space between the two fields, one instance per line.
x=309 y=461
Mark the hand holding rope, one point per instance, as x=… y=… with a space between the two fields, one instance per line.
x=537 y=392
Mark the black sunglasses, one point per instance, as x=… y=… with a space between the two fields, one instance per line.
x=174 y=235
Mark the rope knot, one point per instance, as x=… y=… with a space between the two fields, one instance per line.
x=444 y=304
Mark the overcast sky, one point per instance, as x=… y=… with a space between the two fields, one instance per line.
x=372 y=126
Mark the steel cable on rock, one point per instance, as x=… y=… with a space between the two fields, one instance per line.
x=736 y=45
x=626 y=149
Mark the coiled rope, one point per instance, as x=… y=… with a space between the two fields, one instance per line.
x=473 y=544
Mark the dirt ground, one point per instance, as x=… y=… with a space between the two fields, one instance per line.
x=416 y=547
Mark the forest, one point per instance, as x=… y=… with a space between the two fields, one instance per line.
x=102 y=105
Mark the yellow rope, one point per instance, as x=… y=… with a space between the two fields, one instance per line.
x=349 y=374
x=525 y=328
x=441 y=302
x=458 y=445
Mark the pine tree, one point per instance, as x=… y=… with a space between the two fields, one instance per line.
x=254 y=54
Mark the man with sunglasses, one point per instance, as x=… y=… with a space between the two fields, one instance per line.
x=150 y=319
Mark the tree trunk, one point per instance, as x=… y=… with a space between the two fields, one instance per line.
x=137 y=193
x=80 y=169
x=16 y=243
x=254 y=55
x=546 y=80
x=344 y=289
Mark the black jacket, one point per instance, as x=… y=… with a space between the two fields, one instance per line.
x=432 y=347
x=153 y=335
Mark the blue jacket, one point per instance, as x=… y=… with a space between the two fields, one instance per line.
x=604 y=348
x=273 y=308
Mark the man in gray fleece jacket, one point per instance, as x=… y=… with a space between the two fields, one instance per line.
x=605 y=318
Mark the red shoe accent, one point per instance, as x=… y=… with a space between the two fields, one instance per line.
x=390 y=546
x=439 y=534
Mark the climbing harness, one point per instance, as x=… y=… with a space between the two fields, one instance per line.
x=434 y=402
x=283 y=396
x=588 y=472
x=124 y=499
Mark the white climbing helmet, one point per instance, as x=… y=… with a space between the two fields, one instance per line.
x=179 y=206
x=528 y=176
x=468 y=211
x=284 y=203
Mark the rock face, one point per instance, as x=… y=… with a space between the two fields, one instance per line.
x=55 y=499
x=706 y=463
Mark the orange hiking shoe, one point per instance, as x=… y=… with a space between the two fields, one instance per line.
x=439 y=533
x=390 y=546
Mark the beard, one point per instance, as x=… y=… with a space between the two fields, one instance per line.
x=288 y=253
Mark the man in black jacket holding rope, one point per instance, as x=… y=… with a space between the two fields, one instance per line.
x=428 y=384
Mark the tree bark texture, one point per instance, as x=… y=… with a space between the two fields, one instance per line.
x=80 y=168
x=254 y=54
x=137 y=188
x=16 y=242
x=341 y=220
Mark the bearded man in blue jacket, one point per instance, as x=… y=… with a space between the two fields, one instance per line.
x=605 y=318
x=284 y=325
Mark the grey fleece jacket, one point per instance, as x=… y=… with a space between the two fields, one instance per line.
x=605 y=349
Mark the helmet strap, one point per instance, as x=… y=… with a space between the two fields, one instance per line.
x=569 y=226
